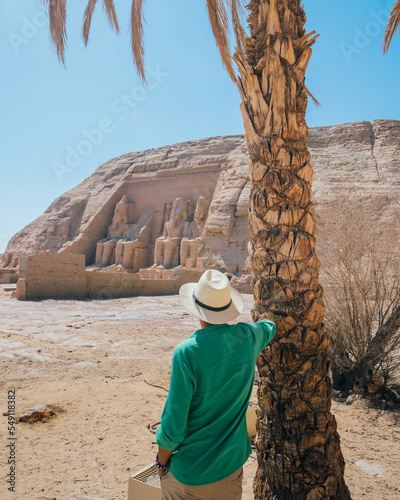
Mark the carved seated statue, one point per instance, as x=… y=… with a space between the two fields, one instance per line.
x=166 y=251
x=117 y=229
x=190 y=246
x=131 y=252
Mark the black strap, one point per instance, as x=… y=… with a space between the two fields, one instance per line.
x=209 y=308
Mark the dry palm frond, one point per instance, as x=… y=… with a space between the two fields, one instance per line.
x=392 y=26
x=88 y=20
x=220 y=28
x=314 y=100
x=237 y=9
x=109 y=7
x=217 y=13
x=57 y=16
x=137 y=36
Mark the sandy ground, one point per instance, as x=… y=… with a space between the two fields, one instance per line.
x=90 y=360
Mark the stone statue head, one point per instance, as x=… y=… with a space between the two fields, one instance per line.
x=121 y=212
x=179 y=210
x=202 y=207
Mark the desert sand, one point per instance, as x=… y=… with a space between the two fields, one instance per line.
x=89 y=360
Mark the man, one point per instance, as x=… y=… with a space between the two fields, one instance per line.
x=203 y=440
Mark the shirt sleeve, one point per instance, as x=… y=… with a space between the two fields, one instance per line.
x=264 y=332
x=173 y=427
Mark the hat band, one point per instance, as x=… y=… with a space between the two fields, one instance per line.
x=209 y=308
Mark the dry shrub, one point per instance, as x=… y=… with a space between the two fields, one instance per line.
x=360 y=271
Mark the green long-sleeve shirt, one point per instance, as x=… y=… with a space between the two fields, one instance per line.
x=204 y=418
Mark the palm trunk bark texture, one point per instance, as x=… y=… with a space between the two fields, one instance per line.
x=297 y=445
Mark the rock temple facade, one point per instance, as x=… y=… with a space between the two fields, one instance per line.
x=186 y=205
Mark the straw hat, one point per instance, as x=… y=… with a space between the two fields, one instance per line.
x=212 y=299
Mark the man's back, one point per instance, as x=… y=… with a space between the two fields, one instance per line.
x=212 y=377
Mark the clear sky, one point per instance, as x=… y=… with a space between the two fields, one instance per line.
x=58 y=125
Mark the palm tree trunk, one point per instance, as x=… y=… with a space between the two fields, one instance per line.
x=298 y=445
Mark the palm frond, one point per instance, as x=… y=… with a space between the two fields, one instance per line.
x=87 y=20
x=220 y=27
x=238 y=10
x=109 y=7
x=58 y=16
x=392 y=26
x=137 y=37
x=314 y=100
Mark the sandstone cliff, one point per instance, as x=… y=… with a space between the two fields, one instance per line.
x=362 y=156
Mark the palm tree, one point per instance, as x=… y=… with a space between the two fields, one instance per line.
x=298 y=445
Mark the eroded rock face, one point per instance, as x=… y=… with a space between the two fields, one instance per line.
x=362 y=156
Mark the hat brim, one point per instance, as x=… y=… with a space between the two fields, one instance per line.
x=212 y=317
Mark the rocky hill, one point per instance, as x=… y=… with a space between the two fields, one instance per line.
x=363 y=156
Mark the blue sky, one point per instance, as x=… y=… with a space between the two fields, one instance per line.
x=50 y=114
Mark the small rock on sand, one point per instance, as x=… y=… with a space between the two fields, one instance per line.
x=39 y=412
